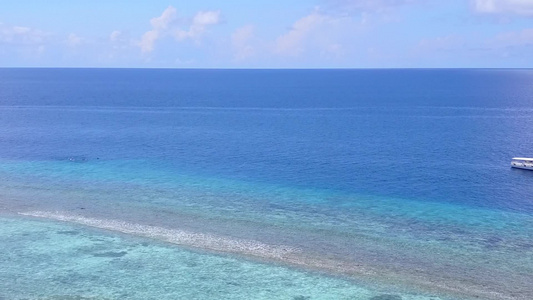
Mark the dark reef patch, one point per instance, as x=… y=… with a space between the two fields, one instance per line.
x=68 y=232
x=110 y=254
x=71 y=297
x=386 y=297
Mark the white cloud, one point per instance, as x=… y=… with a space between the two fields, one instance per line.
x=120 y=40
x=159 y=25
x=167 y=17
x=369 y=5
x=167 y=25
x=148 y=40
x=115 y=36
x=73 y=40
x=20 y=35
x=199 y=25
x=514 y=38
x=41 y=49
x=334 y=49
x=519 y=7
x=292 y=43
x=21 y=42
x=319 y=36
x=475 y=49
x=439 y=44
x=241 y=42
x=183 y=62
x=514 y=45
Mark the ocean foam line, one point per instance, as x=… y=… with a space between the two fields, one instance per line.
x=252 y=108
x=167 y=109
x=175 y=236
x=289 y=255
x=170 y=109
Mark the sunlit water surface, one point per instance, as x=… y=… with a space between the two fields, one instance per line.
x=264 y=184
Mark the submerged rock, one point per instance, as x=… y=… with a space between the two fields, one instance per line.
x=110 y=254
x=68 y=232
x=71 y=297
x=78 y=159
x=386 y=297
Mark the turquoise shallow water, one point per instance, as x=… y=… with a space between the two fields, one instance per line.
x=47 y=260
x=412 y=246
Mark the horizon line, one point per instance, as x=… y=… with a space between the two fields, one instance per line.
x=332 y=68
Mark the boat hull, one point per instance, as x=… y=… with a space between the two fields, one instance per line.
x=523 y=166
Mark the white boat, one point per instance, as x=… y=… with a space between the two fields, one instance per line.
x=522 y=163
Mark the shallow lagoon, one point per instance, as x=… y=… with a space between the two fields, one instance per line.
x=48 y=260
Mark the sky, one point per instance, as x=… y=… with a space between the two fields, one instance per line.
x=267 y=33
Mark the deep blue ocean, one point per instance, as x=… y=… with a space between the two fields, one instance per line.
x=265 y=184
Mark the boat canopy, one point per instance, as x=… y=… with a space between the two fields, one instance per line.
x=522 y=158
